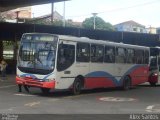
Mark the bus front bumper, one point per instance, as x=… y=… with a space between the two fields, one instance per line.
x=35 y=83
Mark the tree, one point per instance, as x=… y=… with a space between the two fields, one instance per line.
x=100 y=24
x=68 y=23
x=38 y=21
x=57 y=23
x=71 y=23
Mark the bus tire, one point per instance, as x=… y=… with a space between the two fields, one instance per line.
x=77 y=86
x=153 y=84
x=45 y=90
x=126 y=83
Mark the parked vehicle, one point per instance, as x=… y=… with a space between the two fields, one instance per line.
x=51 y=61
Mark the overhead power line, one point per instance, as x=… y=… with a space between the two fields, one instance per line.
x=130 y=7
x=119 y=9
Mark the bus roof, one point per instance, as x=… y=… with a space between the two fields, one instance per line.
x=104 y=42
x=88 y=40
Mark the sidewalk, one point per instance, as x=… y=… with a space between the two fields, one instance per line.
x=9 y=80
x=147 y=83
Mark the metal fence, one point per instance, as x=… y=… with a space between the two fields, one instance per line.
x=12 y=31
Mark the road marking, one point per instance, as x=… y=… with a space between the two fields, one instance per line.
x=11 y=109
x=153 y=108
x=32 y=104
x=116 y=99
x=7 y=86
x=53 y=100
x=74 y=96
x=21 y=94
x=149 y=108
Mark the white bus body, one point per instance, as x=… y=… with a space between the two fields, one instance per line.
x=79 y=63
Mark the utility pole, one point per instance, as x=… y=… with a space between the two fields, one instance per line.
x=33 y=15
x=64 y=10
x=52 y=12
x=94 y=21
x=17 y=15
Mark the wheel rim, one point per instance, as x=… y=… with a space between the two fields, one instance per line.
x=77 y=87
x=127 y=83
x=45 y=90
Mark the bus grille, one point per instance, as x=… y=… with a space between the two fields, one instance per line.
x=34 y=83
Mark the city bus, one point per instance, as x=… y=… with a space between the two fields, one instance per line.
x=154 y=70
x=61 y=62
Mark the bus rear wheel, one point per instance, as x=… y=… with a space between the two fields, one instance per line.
x=77 y=86
x=126 y=83
x=45 y=90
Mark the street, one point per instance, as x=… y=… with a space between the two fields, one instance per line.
x=141 y=99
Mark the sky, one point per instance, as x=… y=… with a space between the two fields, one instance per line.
x=145 y=12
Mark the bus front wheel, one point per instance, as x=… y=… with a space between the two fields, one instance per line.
x=77 y=86
x=153 y=84
x=45 y=90
x=126 y=83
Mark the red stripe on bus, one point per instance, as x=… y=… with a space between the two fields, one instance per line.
x=98 y=82
x=35 y=83
x=139 y=75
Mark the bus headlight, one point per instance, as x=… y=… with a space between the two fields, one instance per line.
x=50 y=80
x=20 y=77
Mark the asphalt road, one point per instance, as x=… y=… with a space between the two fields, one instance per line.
x=97 y=103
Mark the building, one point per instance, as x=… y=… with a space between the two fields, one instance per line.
x=130 y=26
x=158 y=30
x=74 y=24
x=25 y=14
x=57 y=20
x=47 y=18
x=17 y=15
x=151 y=30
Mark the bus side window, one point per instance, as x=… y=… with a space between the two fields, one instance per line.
x=83 y=52
x=120 y=55
x=139 y=55
x=153 y=63
x=109 y=54
x=66 y=56
x=130 y=56
x=97 y=53
x=146 y=57
x=159 y=63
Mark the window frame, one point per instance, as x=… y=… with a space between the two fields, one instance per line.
x=130 y=59
x=85 y=58
x=62 y=63
x=106 y=56
x=98 y=59
x=119 y=58
x=139 y=56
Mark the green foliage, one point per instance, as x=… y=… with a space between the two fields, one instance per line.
x=70 y=23
x=8 y=45
x=57 y=23
x=100 y=24
x=42 y=21
x=46 y=22
x=67 y=23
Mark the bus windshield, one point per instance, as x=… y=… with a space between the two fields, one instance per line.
x=37 y=55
